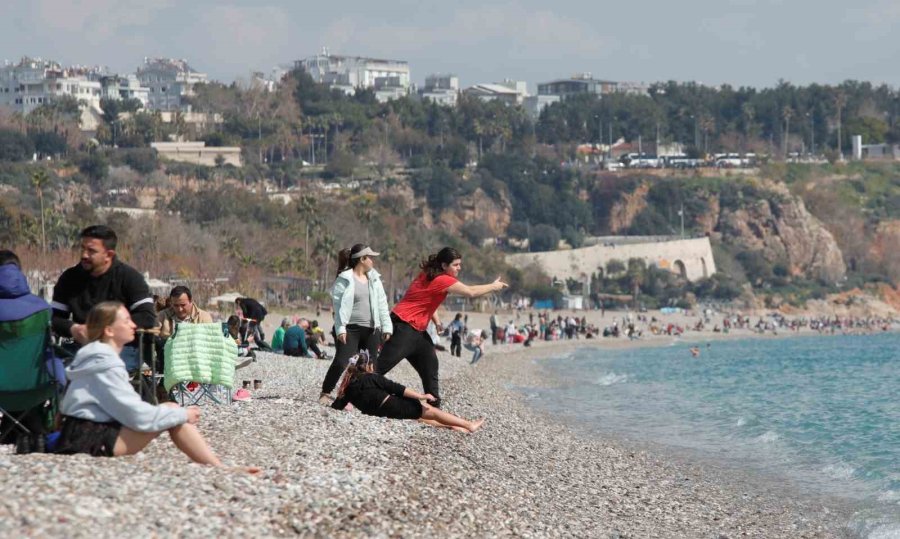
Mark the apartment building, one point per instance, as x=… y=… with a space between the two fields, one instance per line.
x=388 y=78
x=169 y=81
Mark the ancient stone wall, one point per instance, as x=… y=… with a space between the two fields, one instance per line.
x=692 y=258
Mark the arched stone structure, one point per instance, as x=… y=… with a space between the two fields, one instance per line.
x=679 y=269
x=695 y=254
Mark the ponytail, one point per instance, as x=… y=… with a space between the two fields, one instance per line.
x=434 y=264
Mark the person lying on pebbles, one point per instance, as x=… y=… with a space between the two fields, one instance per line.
x=373 y=394
x=104 y=416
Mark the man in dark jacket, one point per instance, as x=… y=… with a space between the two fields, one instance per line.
x=253 y=310
x=98 y=277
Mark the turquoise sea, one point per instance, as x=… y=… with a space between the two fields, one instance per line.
x=822 y=413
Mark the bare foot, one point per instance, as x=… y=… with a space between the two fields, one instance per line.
x=476 y=425
x=461 y=429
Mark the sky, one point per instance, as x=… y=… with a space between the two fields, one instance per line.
x=738 y=42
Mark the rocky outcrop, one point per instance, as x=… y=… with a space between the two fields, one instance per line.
x=783 y=230
x=777 y=225
x=627 y=208
x=479 y=207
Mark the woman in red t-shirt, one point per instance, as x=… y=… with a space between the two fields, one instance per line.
x=419 y=306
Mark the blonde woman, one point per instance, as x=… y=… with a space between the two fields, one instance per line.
x=104 y=416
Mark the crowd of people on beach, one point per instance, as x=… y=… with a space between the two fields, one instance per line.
x=101 y=306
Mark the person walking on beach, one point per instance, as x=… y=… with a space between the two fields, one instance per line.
x=373 y=394
x=495 y=327
x=103 y=415
x=419 y=306
x=361 y=315
x=456 y=329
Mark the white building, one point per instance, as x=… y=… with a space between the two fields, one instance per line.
x=389 y=78
x=33 y=82
x=169 y=81
x=442 y=89
x=585 y=83
x=512 y=92
x=535 y=104
x=124 y=87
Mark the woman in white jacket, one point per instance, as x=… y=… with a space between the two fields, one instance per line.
x=103 y=415
x=361 y=315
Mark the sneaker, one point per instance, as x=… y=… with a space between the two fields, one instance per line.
x=325 y=399
x=241 y=395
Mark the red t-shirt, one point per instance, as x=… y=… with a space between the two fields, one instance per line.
x=423 y=298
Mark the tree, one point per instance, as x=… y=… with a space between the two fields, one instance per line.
x=39 y=179
x=544 y=238
x=614 y=267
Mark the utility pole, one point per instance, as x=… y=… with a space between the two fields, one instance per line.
x=681 y=214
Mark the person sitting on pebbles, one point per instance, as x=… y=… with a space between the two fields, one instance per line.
x=104 y=416
x=373 y=394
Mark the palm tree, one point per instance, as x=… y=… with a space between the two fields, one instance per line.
x=839 y=98
x=307 y=207
x=787 y=113
x=325 y=246
x=38 y=180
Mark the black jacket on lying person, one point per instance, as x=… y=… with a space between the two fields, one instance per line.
x=77 y=291
x=367 y=393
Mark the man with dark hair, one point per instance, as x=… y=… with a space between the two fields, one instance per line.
x=181 y=309
x=98 y=277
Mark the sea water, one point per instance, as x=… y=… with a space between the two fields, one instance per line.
x=822 y=413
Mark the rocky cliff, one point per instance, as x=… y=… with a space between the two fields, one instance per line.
x=776 y=225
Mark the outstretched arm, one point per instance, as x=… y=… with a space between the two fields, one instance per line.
x=474 y=291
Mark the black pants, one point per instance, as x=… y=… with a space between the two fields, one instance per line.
x=456 y=344
x=417 y=347
x=358 y=338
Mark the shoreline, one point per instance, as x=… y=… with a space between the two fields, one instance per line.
x=820 y=515
x=342 y=474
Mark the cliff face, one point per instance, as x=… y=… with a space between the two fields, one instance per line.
x=478 y=206
x=778 y=226
x=785 y=231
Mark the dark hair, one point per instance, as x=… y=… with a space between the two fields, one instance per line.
x=433 y=265
x=9 y=257
x=364 y=364
x=233 y=324
x=179 y=290
x=103 y=233
x=345 y=258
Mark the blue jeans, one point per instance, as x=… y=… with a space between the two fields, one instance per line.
x=129 y=355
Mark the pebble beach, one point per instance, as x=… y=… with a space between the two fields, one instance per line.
x=343 y=474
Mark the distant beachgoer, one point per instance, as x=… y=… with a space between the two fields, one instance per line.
x=103 y=415
x=695 y=351
x=373 y=394
x=456 y=329
x=475 y=344
x=419 y=305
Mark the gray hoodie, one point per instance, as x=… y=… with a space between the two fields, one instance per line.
x=99 y=391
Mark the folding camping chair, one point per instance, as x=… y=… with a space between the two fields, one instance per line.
x=145 y=380
x=199 y=353
x=31 y=378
